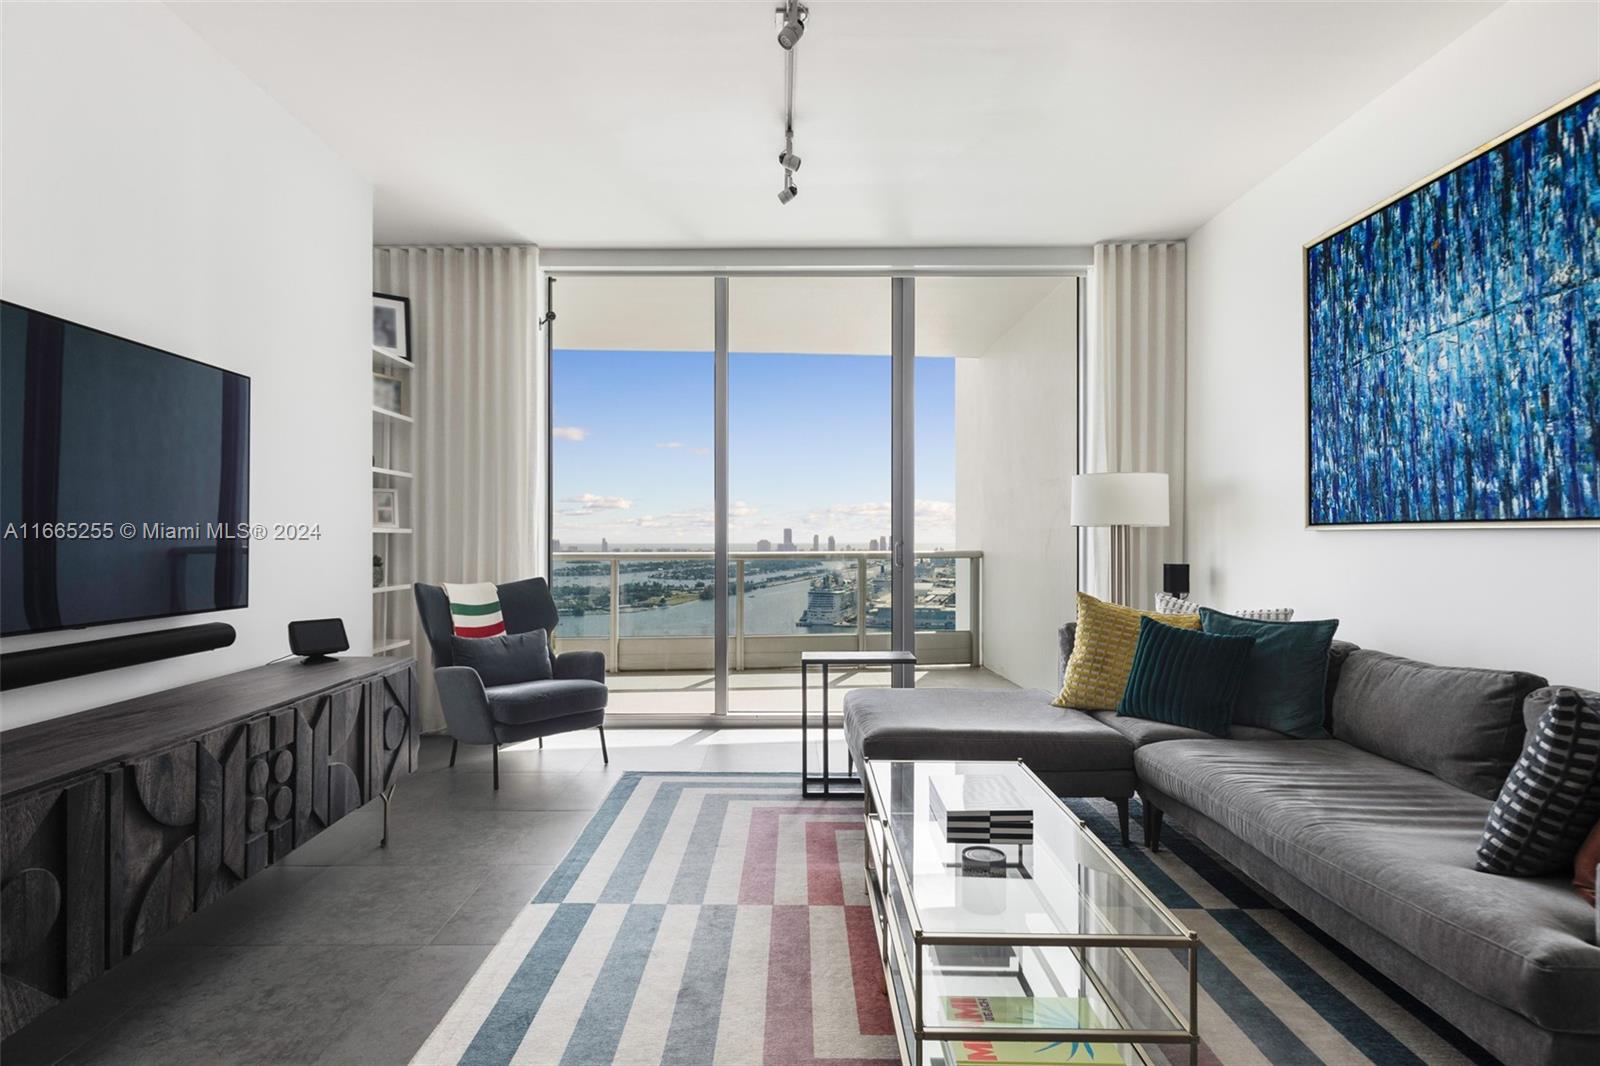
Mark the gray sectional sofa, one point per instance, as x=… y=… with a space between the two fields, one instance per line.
x=1371 y=833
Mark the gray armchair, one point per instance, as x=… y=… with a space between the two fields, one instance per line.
x=575 y=698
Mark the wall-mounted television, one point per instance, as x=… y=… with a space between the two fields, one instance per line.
x=124 y=479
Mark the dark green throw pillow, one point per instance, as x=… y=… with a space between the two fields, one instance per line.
x=1185 y=678
x=1284 y=687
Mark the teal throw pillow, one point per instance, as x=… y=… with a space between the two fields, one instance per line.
x=1186 y=678
x=1284 y=688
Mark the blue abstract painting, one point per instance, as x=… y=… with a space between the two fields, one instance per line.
x=1453 y=341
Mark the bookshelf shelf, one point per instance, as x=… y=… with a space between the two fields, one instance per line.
x=394 y=466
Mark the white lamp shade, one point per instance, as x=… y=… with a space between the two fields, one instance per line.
x=1120 y=500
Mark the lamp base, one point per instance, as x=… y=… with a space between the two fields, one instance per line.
x=1122 y=565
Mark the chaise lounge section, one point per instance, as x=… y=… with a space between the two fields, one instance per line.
x=1371 y=832
x=1070 y=751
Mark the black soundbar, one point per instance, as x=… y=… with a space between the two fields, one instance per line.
x=19 y=669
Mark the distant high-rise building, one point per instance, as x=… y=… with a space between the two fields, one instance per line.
x=815 y=541
x=788 y=541
x=555 y=545
x=605 y=545
x=883 y=542
x=830 y=542
x=763 y=545
x=872 y=545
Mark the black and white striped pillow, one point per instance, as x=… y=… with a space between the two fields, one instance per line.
x=1551 y=799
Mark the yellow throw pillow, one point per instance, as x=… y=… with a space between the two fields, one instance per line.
x=1102 y=654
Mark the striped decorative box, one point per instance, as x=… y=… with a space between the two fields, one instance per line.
x=963 y=822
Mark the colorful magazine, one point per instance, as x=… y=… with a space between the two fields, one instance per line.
x=1020 y=1052
x=1025 y=1012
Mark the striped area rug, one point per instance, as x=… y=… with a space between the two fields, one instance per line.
x=719 y=919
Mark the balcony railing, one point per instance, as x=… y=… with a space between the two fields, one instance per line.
x=652 y=611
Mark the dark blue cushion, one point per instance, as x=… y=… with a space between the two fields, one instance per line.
x=508 y=659
x=1185 y=677
x=540 y=701
x=1284 y=687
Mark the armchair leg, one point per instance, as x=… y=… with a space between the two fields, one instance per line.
x=605 y=756
x=497 y=767
x=541 y=743
x=454 y=744
x=1122 y=818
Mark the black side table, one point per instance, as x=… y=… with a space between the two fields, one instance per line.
x=827 y=785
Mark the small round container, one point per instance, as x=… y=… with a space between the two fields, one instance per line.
x=981 y=860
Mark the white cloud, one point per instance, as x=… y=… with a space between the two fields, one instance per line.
x=678 y=445
x=572 y=433
x=589 y=503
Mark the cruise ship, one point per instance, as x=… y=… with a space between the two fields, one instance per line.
x=828 y=604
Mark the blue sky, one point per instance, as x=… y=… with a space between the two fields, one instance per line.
x=808 y=447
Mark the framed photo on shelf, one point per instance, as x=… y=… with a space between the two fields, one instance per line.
x=385 y=509
x=387 y=392
x=391 y=325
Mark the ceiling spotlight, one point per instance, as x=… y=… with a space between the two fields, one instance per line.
x=788 y=160
x=794 y=25
x=788 y=192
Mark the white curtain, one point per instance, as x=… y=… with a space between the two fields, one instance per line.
x=1134 y=396
x=479 y=406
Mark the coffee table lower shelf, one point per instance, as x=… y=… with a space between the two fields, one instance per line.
x=931 y=1048
x=1040 y=960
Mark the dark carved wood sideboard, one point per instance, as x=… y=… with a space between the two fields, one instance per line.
x=120 y=822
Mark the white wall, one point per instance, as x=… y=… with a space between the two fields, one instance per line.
x=151 y=190
x=1016 y=431
x=1522 y=598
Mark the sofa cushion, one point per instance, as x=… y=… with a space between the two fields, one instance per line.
x=1394 y=847
x=1141 y=731
x=1102 y=653
x=507 y=659
x=1461 y=725
x=540 y=701
x=1185 y=678
x=1007 y=724
x=1552 y=795
x=1283 y=687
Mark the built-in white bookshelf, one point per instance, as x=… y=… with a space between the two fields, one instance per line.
x=394 y=471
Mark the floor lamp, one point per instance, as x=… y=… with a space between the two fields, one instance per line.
x=1120 y=502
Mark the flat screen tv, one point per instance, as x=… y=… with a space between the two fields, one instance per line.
x=124 y=479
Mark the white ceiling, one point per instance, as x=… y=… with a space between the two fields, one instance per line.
x=657 y=124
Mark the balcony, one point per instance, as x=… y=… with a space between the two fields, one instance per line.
x=652 y=614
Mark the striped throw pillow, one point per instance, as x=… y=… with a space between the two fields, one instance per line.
x=1265 y=614
x=1552 y=796
x=475 y=609
x=1167 y=603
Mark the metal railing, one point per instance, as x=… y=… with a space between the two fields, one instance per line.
x=587 y=584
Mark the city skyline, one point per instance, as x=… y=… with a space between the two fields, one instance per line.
x=808 y=448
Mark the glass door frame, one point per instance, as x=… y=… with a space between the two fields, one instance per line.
x=902 y=448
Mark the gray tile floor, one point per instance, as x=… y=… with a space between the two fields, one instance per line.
x=351 y=953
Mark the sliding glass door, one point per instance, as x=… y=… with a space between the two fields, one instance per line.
x=810 y=400
x=632 y=529
x=811 y=460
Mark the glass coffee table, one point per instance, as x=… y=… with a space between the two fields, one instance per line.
x=1047 y=951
